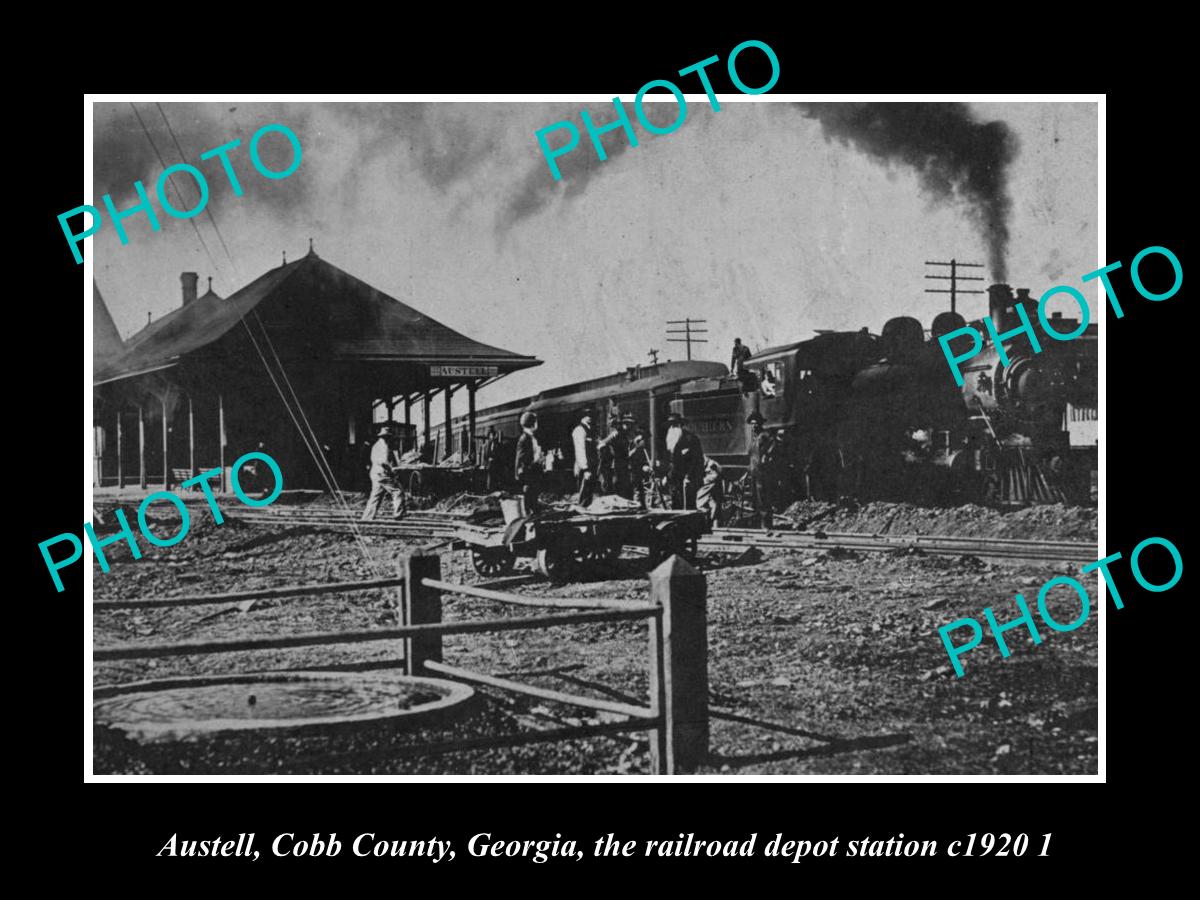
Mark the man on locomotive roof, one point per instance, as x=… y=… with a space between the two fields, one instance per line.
x=587 y=457
x=741 y=353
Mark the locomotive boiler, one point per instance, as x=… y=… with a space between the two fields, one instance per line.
x=880 y=418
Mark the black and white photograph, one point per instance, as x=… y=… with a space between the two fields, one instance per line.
x=731 y=435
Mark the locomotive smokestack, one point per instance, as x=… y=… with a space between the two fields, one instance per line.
x=1000 y=306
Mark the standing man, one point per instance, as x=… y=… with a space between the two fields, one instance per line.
x=491 y=459
x=604 y=451
x=687 y=461
x=711 y=495
x=529 y=463
x=617 y=479
x=741 y=353
x=587 y=457
x=640 y=468
x=782 y=456
x=762 y=451
x=382 y=478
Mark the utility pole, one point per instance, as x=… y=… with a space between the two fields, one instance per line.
x=954 y=278
x=688 y=331
x=653 y=354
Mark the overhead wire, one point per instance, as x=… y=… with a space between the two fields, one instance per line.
x=315 y=450
x=310 y=439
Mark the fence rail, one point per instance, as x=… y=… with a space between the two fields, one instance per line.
x=676 y=715
x=470 y=590
x=318 y=638
x=300 y=590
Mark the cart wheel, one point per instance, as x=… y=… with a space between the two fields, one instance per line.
x=493 y=561
x=556 y=562
x=688 y=548
x=666 y=545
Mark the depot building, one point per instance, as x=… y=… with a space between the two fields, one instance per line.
x=300 y=363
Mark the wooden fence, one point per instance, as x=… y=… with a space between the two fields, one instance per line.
x=677 y=712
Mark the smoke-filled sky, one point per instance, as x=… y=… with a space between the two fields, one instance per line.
x=768 y=219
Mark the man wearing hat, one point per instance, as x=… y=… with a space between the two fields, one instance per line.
x=641 y=470
x=381 y=476
x=687 y=461
x=587 y=457
x=762 y=452
x=616 y=461
x=529 y=463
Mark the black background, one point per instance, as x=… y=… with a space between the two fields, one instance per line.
x=117 y=828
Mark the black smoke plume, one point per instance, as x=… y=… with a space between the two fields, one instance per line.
x=956 y=156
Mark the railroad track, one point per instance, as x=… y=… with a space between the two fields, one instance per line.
x=938 y=545
x=435 y=524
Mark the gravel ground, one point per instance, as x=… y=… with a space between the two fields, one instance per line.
x=824 y=662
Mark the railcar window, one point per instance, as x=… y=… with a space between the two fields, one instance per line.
x=772 y=382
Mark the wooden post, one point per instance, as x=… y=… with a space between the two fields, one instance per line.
x=141 y=445
x=407 y=409
x=120 y=461
x=422 y=605
x=470 y=448
x=221 y=438
x=191 y=439
x=425 y=410
x=682 y=682
x=660 y=756
x=653 y=436
x=446 y=429
x=166 y=455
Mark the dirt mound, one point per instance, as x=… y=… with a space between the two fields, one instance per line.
x=1050 y=522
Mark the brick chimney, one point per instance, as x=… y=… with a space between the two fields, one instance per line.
x=190 y=281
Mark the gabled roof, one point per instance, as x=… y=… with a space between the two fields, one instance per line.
x=106 y=340
x=355 y=322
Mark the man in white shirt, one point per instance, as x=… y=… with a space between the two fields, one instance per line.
x=382 y=477
x=587 y=458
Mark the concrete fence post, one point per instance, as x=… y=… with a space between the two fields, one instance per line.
x=422 y=606
x=679 y=667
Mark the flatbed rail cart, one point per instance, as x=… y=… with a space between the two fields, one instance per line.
x=567 y=542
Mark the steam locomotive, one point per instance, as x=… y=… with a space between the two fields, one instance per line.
x=881 y=418
x=868 y=416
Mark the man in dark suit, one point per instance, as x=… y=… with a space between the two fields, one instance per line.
x=529 y=463
x=762 y=475
x=687 y=461
x=492 y=461
x=640 y=469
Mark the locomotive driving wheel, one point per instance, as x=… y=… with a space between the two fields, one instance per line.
x=493 y=562
x=739 y=500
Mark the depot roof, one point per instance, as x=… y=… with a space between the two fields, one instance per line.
x=315 y=305
x=106 y=340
